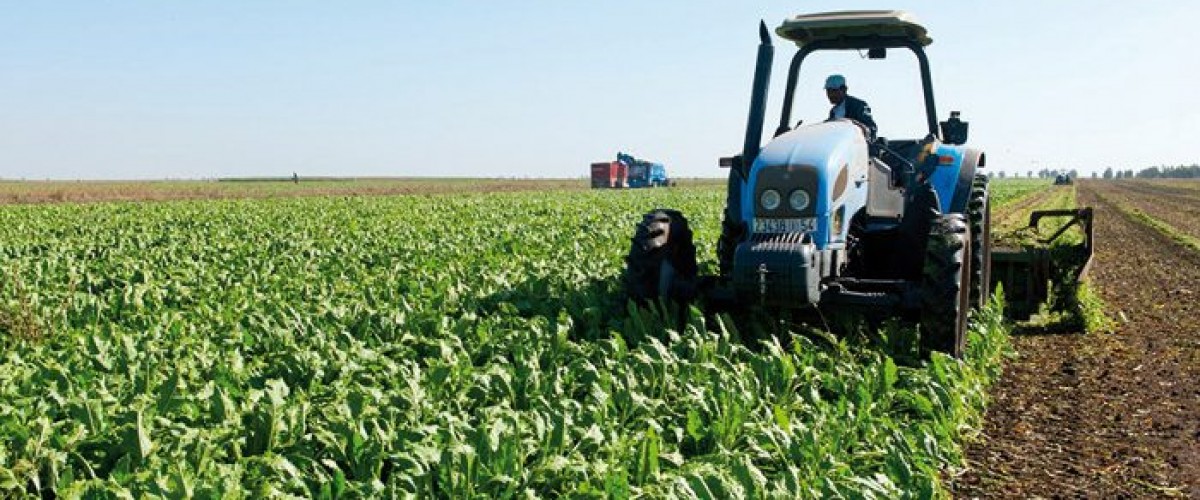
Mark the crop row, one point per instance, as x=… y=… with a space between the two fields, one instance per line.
x=1005 y=192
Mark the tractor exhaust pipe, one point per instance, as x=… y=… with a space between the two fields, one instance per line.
x=754 y=126
x=758 y=99
x=733 y=227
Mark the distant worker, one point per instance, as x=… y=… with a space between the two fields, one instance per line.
x=847 y=106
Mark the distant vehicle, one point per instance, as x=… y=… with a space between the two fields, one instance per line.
x=609 y=174
x=644 y=173
x=1062 y=180
x=629 y=172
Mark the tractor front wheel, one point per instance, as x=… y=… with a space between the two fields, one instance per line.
x=945 y=286
x=662 y=259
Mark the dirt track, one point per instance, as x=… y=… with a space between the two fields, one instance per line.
x=1104 y=415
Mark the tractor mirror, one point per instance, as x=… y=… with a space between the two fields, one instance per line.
x=877 y=53
x=734 y=162
x=954 y=130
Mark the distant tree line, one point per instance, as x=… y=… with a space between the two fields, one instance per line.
x=1178 y=172
x=1159 y=172
x=1119 y=174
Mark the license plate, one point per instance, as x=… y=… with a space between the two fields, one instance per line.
x=785 y=225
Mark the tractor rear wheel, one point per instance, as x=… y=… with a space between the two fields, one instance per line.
x=945 y=286
x=979 y=213
x=662 y=259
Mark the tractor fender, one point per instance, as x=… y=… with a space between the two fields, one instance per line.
x=973 y=159
x=954 y=176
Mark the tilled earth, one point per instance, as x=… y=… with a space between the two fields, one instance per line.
x=1104 y=415
x=1174 y=205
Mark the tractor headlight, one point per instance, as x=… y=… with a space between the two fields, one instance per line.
x=799 y=200
x=770 y=199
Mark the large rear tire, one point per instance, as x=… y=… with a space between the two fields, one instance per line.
x=662 y=259
x=979 y=213
x=945 y=290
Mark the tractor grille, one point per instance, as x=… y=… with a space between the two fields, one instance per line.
x=777 y=269
x=778 y=242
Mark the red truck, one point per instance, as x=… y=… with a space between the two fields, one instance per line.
x=609 y=174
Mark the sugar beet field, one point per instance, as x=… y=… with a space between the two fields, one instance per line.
x=461 y=345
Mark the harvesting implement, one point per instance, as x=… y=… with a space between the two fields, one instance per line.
x=824 y=216
x=1027 y=268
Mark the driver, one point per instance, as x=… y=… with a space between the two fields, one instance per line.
x=847 y=106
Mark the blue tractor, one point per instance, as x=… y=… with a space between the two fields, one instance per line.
x=825 y=216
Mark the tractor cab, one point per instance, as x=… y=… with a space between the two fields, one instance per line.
x=876 y=32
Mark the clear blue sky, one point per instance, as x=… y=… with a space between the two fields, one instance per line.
x=154 y=89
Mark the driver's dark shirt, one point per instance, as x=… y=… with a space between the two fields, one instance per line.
x=858 y=110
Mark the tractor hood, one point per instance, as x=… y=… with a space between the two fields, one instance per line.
x=828 y=161
x=827 y=142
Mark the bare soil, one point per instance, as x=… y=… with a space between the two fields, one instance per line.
x=1175 y=185
x=1174 y=205
x=1103 y=414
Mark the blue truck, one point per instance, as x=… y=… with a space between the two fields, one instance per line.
x=642 y=173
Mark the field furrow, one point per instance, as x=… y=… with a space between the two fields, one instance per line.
x=1108 y=413
x=1171 y=187
x=1180 y=213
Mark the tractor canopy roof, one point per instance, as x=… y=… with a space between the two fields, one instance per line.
x=856 y=29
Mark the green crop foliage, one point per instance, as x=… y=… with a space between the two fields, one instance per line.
x=454 y=346
x=1008 y=191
